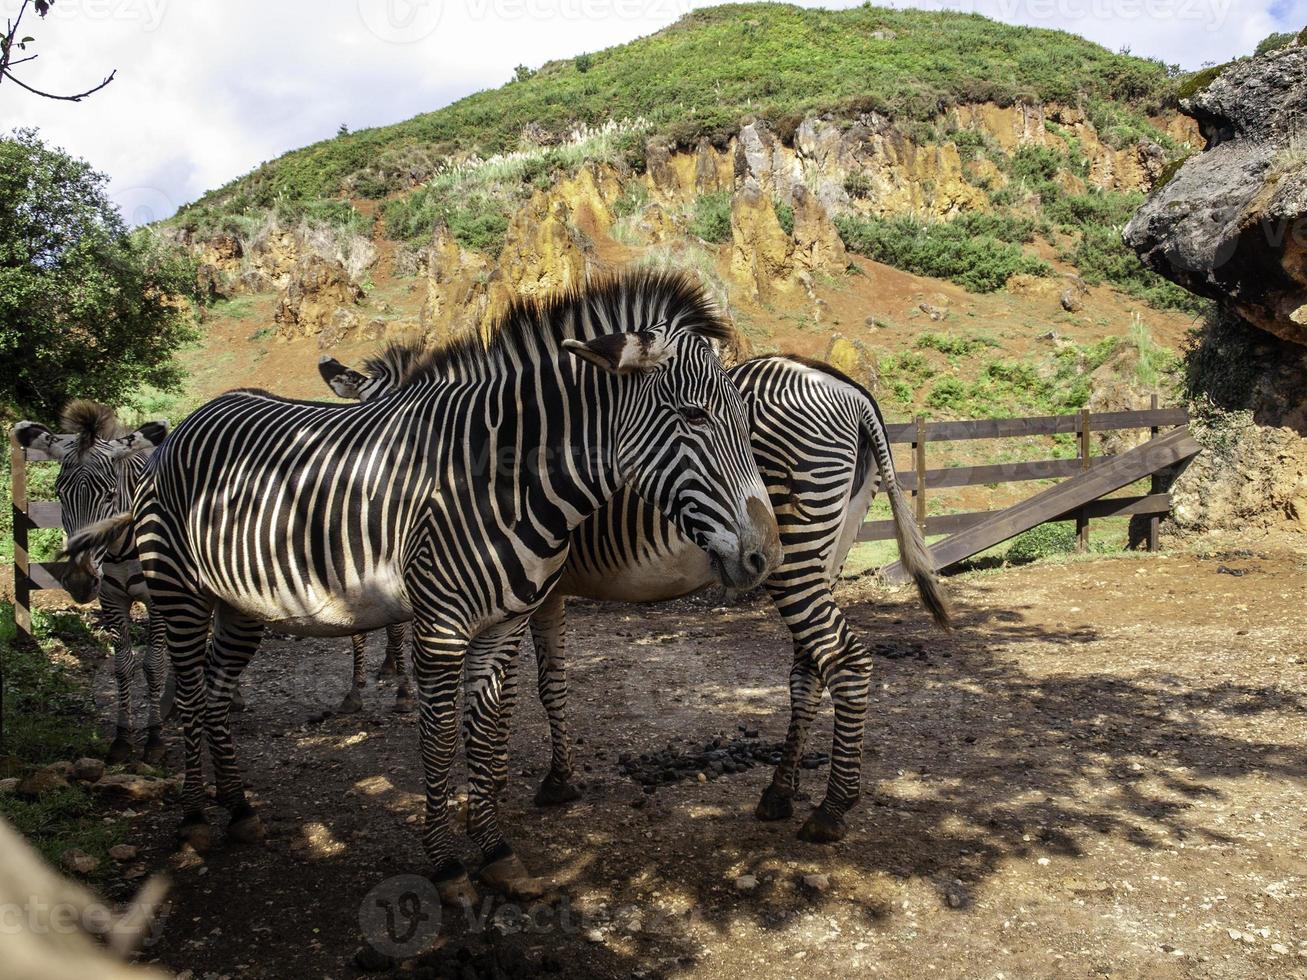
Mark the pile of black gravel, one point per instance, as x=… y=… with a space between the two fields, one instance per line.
x=720 y=757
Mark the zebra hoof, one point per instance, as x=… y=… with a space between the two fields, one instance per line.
x=247 y=829
x=508 y=876
x=822 y=828
x=556 y=790
x=120 y=751
x=237 y=700
x=352 y=704
x=774 y=805
x=156 y=752
x=387 y=669
x=457 y=892
x=195 y=834
x=404 y=702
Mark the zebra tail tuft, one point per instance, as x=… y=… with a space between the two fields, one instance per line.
x=84 y=543
x=912 y=546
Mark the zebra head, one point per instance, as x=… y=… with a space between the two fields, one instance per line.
x=683 y=445
x=90 y=486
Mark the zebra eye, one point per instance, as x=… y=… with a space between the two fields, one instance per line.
x=694 y=415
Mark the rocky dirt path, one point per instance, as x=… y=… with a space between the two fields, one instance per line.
x=1103 y=771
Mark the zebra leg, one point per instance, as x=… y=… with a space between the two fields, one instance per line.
x=156 y=676
x=485 y=731
x=236 y=638
x=186 y=625
x=848 y=677
x=393 y=663
x=396 y=640
x=353 y=702
x=438 y=655
x=117 y=606
x=777 y=801
x=547 y=631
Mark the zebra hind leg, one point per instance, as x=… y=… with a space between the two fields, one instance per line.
x=849 y=681
x=156 y=677
x=396 y=641
x=353 y=701
x=547 y=633
x=186 y=626
x=393 y=662
x=236 y=638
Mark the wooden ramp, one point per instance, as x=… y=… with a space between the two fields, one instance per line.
x=1059 y=502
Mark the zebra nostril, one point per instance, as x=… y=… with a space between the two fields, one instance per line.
x=755 y=562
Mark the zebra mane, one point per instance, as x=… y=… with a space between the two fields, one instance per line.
x=89 y=421
x=626 y=300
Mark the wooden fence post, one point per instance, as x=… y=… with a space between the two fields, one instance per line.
x=22 y=581
x=1082 y=520
x=919 y=451
x=1154 y=486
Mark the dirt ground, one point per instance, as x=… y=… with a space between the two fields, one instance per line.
x=1101 y=772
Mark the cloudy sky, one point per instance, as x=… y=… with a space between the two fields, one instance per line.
x=207 y=90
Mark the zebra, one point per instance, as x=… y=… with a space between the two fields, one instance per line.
x=820 y=443
x=100 y=464
x=392 y=665
x=449 y=504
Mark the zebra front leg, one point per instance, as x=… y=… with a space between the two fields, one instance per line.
x=489 y=659
x=777 y=801
x=117 y=608
x=353 y=702
x=547 y=632
x=507 y=701
x=236 y=639
x=848 y=678
x=156 y=675
x=438 y=655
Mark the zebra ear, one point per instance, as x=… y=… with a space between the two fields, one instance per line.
x=343 y=381
x=33 y=435
x=141 y=440
x=620 y=353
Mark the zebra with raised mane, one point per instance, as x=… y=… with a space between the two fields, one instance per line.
x=449 y=503
x=821 y=446
x=100 y=464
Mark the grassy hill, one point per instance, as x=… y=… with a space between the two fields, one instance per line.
x=715 y=67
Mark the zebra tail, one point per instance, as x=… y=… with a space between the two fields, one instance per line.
x=84 y=543
x=912 y=546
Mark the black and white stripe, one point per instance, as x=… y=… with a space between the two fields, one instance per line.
x=449 y=503
x=100 y=465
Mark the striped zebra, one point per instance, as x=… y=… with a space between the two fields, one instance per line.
x=100 y=465
x=449 y=503
x=392 y=665
x=820 y=443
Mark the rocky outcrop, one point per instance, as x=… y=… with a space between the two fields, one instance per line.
x=817 y=243
x=319 y=294
x=760 y=250
x=457 y=284
x=1231 y=224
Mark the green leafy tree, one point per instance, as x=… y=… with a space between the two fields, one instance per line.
x=87 y=308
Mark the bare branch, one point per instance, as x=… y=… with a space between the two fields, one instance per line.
x=63 y=98
x=7 y=61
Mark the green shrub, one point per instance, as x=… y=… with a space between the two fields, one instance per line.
x=1044 y=541
x=583 y=62
x=785 y=215
x=1101 y=256
x=1273 y=42
x=945 y=250
x=954 y=345
x=858 y=185
x=633 y=199
x=476 y=221
x=712 y=217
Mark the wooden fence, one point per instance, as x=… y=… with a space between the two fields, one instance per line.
x=920 y=478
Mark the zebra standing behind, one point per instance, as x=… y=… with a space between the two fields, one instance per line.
x=449 y=503
x=820 y=444
x=99 y=468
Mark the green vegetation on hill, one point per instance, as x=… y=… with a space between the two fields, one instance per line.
x=713 y=68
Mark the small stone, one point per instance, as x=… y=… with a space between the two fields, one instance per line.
x=88 y=770
x=78 y=861
x=41 y=783
x=817 y=882
x=136 y=871
x=1042 y=862
x=746 y=883
x=1280 y=948
x=594 y=936
x=702 y=778
x=9 y=785
x=954 y=900
x=122 y=852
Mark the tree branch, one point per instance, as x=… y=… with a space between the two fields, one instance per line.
x=62 y=98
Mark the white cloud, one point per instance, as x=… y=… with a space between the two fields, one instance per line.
x=206 y=91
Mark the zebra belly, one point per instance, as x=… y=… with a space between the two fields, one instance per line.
x=655 y=577
x=357 y=607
